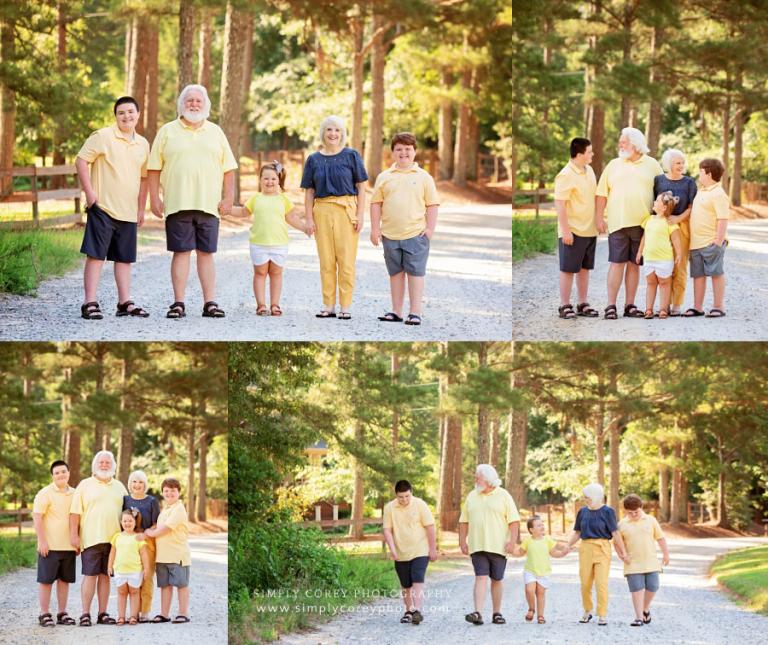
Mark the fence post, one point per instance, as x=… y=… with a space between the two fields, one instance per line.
x=563 y=525
x=19 y=515
x=318 y=513
x=335 y=512
x=35 y=210
x=549 y=518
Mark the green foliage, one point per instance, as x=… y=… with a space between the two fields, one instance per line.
x=530 y=237
x=745 y=573
x=17 y=552
x=28 y=258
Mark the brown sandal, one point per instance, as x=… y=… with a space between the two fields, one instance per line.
x=663 y=313
x=541 y=620
x=261 y=310
x=529 y=615
x=275 y=310
x=648 y=314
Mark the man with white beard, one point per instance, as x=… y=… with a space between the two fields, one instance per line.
x=94 y=518
x=623 y=200
x=191 y=159
x=488 y=530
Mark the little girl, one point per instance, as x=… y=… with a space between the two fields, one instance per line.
x=127 y=562
x=271 y=209
x=538 y=547
x=660 y=248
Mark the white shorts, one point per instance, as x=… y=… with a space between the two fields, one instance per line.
x=662 y=269
x=529 y=577
x=263 y=254
x=131 y=579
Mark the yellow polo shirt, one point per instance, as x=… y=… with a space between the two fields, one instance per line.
x=127 y=556
x=117 y=165
x=489 y=517
x=54 y=504
x=269 y=227
x=628 y=185
x=640 y=538
x=576 y=188
x=192 y=163
x=709 y=205
x=658 y=239
x=537 y=559
x=408 y=525
x=404 y=195
x=99 y=505
x=173 y=547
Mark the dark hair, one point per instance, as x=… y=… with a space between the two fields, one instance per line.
x=579 y=146
x=403 y=486
x=59 y=462
x=170 y=482
x=125 y=99
x=530 y=522
x=278 y=168
x=404 y=138
x=632 y=502
x=134 y=513
x=713 y=167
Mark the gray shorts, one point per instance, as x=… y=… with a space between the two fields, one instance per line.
x=174 y=575
x=489 y=564
x=707 y=261
x=406 y=255
x=640 y=581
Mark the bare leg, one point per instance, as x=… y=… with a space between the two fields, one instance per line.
x=615 y=276
x=180 y=274
x=481 y=587
x=44 y=595
x=275 y=283
x=650 y=290
x=87 y=590
x=206 y=272
x=582 y=284
x=62 y=594
x=530 y=595
x=123 y=281
x=637 y=603
x=647 y=598
x=417 y=595
x=631 y=280
x=408 y=598
x=166 y=595
x=397 y=289
x=566 y=284
x=540 y=592
x=497 y=588
x=91 y=277
x=135 y=601
x=122 y=600
x=699 y=289
x=260 y=283
x=103 y=593
x=415 y=293
x=665 y=291
x=183 y=594
x=718 y=291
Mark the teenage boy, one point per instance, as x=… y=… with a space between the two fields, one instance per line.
x=56 y=555
x=115 y=194
x=575 y=187
x=709 y=222
x=403 y=218
x=409 y=530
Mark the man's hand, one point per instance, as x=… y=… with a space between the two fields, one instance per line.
x=140 y=218
x=665 y=560
x=90 y=198
x=567 y=237
x=393 y=555
x=432 y=555
x=429 y=233
x=510 y=547
x=375 y=236
x=465 y=548
x=225 y=207
x=602 y=225
x=157 y=207
x=74 y=540
x=42 y=547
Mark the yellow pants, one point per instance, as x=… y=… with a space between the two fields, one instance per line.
x=148 y=583
x=594 y=566
x=680 y=272
x=336 y=237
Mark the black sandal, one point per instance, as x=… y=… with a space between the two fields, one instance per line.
x=646 y=617
x=407 y=617
x=584 y=309
x=46 y=620
x=475 y=618
x=417 y=617
x=609 y=313
x=176 y=310
x=325 y=313
x=105 y=619
x=566 y=311
x=390 y=316
x=692 y=313
x=413 y=319
x=181 y=618
x=63 y=618
x=85 y=620
x=160 y=619
x=345 y=315
x=91 y=311
x=715 y=313
x=498 y=619
x=211 y=309
x=122 y=310
x=636 y=623
x=631 y=311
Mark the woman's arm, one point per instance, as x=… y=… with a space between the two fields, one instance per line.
x=360 y=206
x=575 y=537
x=677 y=246
x=309 y=202
x=676 y=219
x=618 y=544
x=294 y=219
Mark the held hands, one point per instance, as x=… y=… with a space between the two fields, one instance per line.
x=225 y=207
x=510 y=547
x=309 y=227
x=42 y=547
x=678 y=260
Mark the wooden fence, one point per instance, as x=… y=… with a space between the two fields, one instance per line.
x=320 y=523
x=19 y=514
x=755 y=192
x=42 y=180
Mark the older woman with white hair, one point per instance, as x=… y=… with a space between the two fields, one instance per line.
x=596 y=526
x=683 y=187
x=334 y=203
x=148 y=509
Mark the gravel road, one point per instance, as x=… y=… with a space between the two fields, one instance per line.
x=468 y=292
x=688 y=609
x=208 y=607
x=535 y=298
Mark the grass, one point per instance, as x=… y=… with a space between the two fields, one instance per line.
x=745 y=574
x=26 y=214
x=17 y=552
x=530 y=237
x=29 y=257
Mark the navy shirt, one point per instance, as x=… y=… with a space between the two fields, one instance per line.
x=334 y=175
x=684 y=188
x=149 y=508
x=596 y=525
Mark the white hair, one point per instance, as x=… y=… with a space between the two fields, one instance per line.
x=489 y=474
x=139 y=476
x=99 y=455
x=595 y=493
x=637 y=139
x=668 y=156
x=183 y=97
x=339 y=123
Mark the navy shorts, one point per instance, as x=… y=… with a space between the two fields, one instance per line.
x=57 y=565
x=624 y=244
x=192 y=231
x=95 y=559
x=577 y=256
x=707 y=261
x=172 y=574
x=640 y=581
x=492 y=564
x=108 y=238
x=412 y=571
x=406 y=255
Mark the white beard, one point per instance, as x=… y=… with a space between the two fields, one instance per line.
x=625 y=154
x=104 y=475
x=194 y=117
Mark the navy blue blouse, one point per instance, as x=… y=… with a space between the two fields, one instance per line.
x=334 y=175
x=596 y=525
x=684 y=188
x=149 y=508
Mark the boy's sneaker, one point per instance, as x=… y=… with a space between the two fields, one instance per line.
x=416 y=617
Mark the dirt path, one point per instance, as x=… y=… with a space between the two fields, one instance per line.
x=208 y=607
x=468 y=292
x=688 y=609
x=535 y=298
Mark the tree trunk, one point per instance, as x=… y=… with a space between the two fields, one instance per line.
x=483 y=447
x=722 y=509
x=186 y=49
x=153 y=73
x=493 y=458
x=684 y=486
x=445 y=128
x=517 y=442
x=462 y=133
x=725 y=152
x=204 y=50
x=358 y=77
x=599 y=421
x=738 y=141
x=128 y=51
x=245 y=144
x=653 y=126
x=596 y=108
x=71 y=433
x=139 y=64
x=202 y=494
x=125 y=446
x=60 y=128
x=626 y=107
x=449 y=489
x=98 y=389
x=674 y=513
x=358 y=495
x=613 y=444
x=394 y=367
x=663 y=487
x=373 y=141
x=191 y=460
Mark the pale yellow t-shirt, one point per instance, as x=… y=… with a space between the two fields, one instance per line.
x=99 y=505
x=709 y=205
x=577 y=189
x=537 y=559
x=117 y=165
x=640 y=538
x=628 y=186
x=489 y=517
x=408 y=525
x=658 y=239
x=192 y=162
x=404 y=195
x=173 y=547
x=54 y=504
x=127 y=557
x=269 y=227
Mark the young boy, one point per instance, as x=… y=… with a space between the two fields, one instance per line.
x=403 y=218
x=56 y=556
x=173 y=558
x=575 y=187
x=641 y=567
x=409 y=530
x=709 y=221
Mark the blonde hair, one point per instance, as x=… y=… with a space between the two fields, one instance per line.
x=339 y=123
